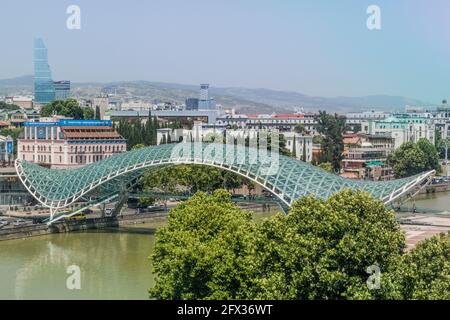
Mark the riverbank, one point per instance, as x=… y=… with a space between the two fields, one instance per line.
x=72 y=226
x=66 y=226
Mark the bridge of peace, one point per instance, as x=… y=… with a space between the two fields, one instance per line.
x=286 y=178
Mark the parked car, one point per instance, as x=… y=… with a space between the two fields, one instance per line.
x=88 y=211
x=108 y=212
x=18 y=222
x=77 y=217
x=38 y=220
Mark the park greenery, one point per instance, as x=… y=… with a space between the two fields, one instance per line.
x=8 y=107
x=331 y=129
x=212 y=249
x=414 y=158
x=138 y=133
x=326 y=166
x=68 y=108
x=190 y=179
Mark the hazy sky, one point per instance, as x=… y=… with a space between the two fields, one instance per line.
x=317 y=47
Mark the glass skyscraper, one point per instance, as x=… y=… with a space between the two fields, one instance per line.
x=44 y=90
x=62 y=89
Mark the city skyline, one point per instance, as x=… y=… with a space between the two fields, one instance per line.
x=407 y=57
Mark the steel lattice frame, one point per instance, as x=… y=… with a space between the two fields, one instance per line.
x=290 y=179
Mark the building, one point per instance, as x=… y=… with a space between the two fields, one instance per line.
x=191 y=104
x=22 y=102
x=6 y=149
x=300 y=145
x=206 y=116
x=355 y=119
x=204 y=101
x=62 y=89
x=365 y=156
x=281 y=122
x=44 y=90
x=102 y=103
x=69 y=143
x=403 y=127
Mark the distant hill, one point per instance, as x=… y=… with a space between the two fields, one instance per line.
x=245 y=100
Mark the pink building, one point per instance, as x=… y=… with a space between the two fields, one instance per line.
x=69 y=143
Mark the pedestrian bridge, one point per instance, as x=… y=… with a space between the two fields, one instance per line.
x=286 y=178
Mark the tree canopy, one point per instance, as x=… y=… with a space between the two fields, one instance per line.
x=331 y=128
x=212 y=249
x=414 y=158
x=68 y=108
x=206 y=250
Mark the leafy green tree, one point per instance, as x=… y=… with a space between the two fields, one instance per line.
x=138 y=146
x=331 y=129
x=68 y=108
x=88 y=113
x=98 y=114
x=326 y=166
x=165 y=179
x=431 y=154
x=322 y=249
x=423 y=273
x=205 y=251
x=413 y=158
x=8 y=107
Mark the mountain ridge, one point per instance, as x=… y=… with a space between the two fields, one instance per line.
x=243 y=99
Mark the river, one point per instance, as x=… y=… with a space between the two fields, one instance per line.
x=114 y=264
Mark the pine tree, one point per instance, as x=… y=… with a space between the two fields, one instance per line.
x=294 y=148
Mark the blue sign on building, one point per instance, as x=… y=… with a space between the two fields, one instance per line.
x=85 y=123
x=9 y=147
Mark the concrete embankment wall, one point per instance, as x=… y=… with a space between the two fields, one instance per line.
x=72 y=226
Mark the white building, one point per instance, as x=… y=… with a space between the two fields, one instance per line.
x=303 y=144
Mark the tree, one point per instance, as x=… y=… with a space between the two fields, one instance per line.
x=98 y=115
x=322 y=249
x=326 y=166
x=413 y=158
x=431 y=154
x=332 y=144
x=68 y=108
x=300 y=128
x=423 y=273
x=88 y=113
x=205 y=251
x=165 y=179
x=138 y=146
x=8 y=107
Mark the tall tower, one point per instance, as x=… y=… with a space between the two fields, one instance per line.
x=204 y=92
x=204 y=102
x=44 y=90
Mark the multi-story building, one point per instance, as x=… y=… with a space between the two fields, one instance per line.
x=44 y=90
x=281 y=122
x=403 y=127
x=69 y=143
x=191 y=104
x=355 y=119
x=301 y=143
x=365 y=156
x=6 y=149
x=62 y=89
x=205 y=102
